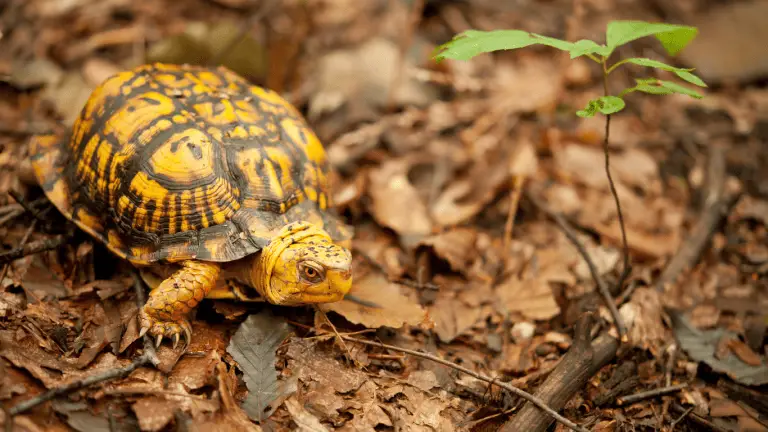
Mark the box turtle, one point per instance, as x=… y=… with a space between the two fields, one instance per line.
x=199 y=176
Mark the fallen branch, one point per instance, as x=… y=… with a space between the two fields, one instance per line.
x=32 y=248
x=578 y=365
x=718 y=202
x=535 y=401
x=602 y=287
x=149 y=357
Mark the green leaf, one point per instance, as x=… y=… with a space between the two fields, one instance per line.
x=604 y=104
x=672 y=37
x=586 y=47
x=611 y=104
x=661 y=87
x=683 y=73
x=473 y=42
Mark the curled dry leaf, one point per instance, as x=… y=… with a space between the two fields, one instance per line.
x=305 y=421
x=26 y=354
x=467 y=196
x=395 y=308
x=456 y=246
x=395 y=202
x=253 y=348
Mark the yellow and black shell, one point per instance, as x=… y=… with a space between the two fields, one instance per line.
x=169 y=162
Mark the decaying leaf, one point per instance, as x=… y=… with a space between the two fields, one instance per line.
x=467 y=196
x=305 y=421
x=253 y=348
x=457 y=246
x=395 y=309
x=458 y=306
x=532 y=297
x=702 y=346
x=26 y=354
x=82 y=417
x=363 y=77
x=395 y=202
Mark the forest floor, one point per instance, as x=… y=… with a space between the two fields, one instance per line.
x=454 y=176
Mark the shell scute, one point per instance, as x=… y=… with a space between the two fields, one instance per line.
x=168 y=162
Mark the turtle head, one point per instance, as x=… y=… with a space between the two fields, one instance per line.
x=302 y=265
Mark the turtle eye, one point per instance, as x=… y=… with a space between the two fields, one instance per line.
x=311 y=273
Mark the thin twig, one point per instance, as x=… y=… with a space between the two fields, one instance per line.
x=148 y=357
x=637 y=397
x=492 y=381
x=29 y=207
x=699 y=420
x=679 y=419
x=32 y=248
x=80 y=384
x=347 y=352
x=514 y=200
x=11 y=215
x=602 y=287
x=21 y=243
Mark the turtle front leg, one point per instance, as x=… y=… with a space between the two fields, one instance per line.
x=166 y=310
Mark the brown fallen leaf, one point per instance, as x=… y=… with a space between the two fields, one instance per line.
x=194 y=372
x=363 y=77
x=305 y=421
x=532 y=297
x=465 y=197
x=737 y=24
x=744 y=352
x=320 y=370
x=365 y=409
x=26 y=354
x=395 y=309
x=457 y=306
x=395 y=202
x=456 y=246
x=529 y=84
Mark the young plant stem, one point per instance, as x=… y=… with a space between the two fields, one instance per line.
x=625 y=246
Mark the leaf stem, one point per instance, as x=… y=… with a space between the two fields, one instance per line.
x=596 y=59
x=625 y=245
x=608 y=71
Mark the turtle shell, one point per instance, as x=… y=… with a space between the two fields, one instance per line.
x=170 y=162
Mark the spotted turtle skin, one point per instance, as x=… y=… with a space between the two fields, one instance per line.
x=174 y=162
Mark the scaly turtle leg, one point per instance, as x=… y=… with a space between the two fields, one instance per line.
x=166 y=310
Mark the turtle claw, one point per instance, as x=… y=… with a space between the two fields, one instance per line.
x=161 y=327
